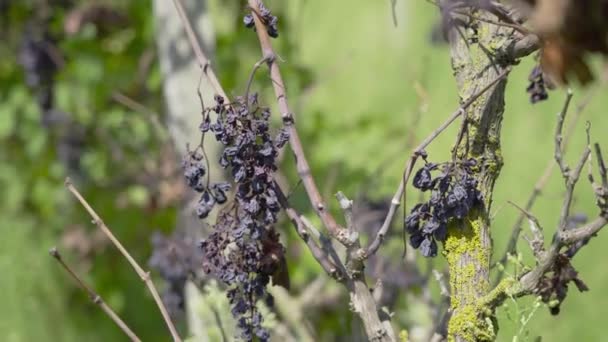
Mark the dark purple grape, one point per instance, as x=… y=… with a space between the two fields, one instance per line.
x=537 y=88
x=250 y=154
x=416 y=239
x=422 y=179
x=428 y=247
x=248 y=21
x=441 y=233
x=269 y=20
x=453 y=194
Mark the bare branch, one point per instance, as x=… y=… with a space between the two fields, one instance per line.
x=443 y=286
x=347 y=207
x=145 y=276
x=288 y=117
x=572 y=178
x=537 y=243
x=514 y=26
x=362 y=300
x=396 y=201
x=135 y=106
x=355 y=254
x=588 y=230
x=300 y=226
x=203 y=61
x=523 y=47
x=256 y=66
x=564 y=236
x=601 y=192
x=601 y=166
x=95 y=298
x=327 y=247
x=558 y=136
x=542 y=181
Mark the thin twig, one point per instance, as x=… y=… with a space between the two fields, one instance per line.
x=145 y=276
x=601 y=192
x=203 y=61
x=135 y=106
x=256 y=66
x=396 y=201
x=95 y=298
x=443 y=287
x=563 y=235
x=537 y=242
x=516 y=27
x=601 y=166
x=326 y=246
x=319 y=255
x=542 y=181
x=572 y=179
x=558 y=136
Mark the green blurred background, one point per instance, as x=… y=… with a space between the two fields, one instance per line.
x=359 y=76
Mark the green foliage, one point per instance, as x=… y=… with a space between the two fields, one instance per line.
x=40 y=301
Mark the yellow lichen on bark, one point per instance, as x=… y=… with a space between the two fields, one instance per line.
x=468 y=258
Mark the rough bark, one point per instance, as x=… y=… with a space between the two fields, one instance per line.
x=468 y=246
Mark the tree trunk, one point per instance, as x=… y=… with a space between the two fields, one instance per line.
x=181 y=75
x=469 y=245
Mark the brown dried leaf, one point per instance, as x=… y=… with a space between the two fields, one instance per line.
x=570 y=30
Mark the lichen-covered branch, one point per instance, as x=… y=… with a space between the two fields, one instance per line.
x=418 y=151
x=474 y=51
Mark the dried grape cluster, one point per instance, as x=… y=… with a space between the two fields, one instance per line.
x=195 y=172
x=38 y=66
x=243 y=250
x=453 y=194
x=269 y=20
x=553 y=288
x=40 y=57
x=537 y=89
x=177 y=259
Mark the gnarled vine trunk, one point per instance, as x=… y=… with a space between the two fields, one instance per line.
x=474 y=51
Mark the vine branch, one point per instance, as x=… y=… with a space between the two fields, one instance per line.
x=95 y=298
x=295 y=143
x=145 y=276
x=564 y=236
x=203 y=61
x=542 y=182
x=361 y=297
